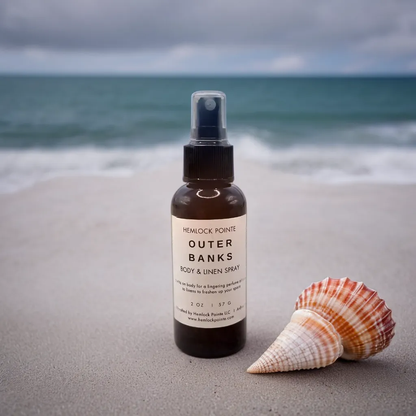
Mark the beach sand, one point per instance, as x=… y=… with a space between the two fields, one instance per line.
x=86 y=303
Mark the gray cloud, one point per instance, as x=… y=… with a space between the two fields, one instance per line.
x=287 y=25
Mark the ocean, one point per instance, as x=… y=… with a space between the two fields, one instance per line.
x=328 y=129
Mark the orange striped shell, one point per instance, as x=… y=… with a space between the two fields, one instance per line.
x=360 y=317
x=333 y=318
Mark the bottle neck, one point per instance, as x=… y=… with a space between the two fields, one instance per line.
x=208 y=184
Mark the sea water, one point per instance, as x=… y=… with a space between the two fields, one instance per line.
x=328 y=129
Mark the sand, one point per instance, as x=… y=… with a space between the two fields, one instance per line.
x=86 y=309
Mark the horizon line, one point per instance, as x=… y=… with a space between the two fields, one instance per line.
x=212 y=75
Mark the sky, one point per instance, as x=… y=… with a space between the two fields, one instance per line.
x=271 y=37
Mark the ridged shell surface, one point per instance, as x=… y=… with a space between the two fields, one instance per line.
x=360 y=317
x=307 y=342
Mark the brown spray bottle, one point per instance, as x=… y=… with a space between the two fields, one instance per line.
x=209 y=239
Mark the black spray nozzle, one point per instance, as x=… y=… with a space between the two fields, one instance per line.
x=208 y=115
x=209 y=155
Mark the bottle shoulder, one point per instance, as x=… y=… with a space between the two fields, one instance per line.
x=195 y=201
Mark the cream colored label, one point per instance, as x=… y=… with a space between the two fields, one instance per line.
x=209 y=271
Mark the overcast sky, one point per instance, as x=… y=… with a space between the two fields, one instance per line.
x=208 y=37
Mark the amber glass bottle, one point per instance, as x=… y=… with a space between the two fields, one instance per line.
x=209 y=239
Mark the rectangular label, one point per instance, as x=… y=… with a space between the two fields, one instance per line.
x=209 y=271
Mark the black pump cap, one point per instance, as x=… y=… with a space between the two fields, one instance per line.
x=208 y=156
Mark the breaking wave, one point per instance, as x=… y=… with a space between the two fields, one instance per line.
x=373 y=154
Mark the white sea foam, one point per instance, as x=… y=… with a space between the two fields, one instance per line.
x=330 y=164
x=22 y=168
x=335 y=164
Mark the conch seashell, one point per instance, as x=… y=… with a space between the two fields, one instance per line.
x=333 y=318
